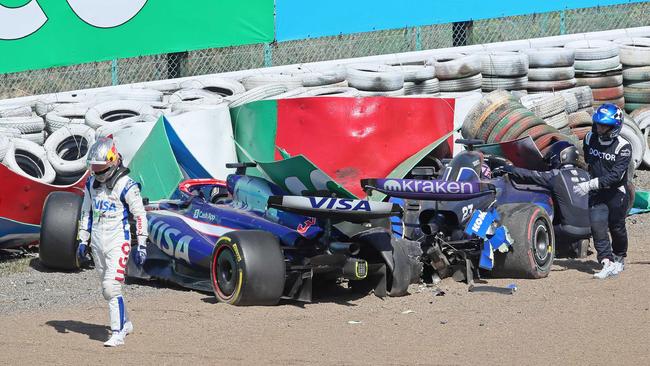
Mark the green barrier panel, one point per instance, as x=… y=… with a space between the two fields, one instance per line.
x=154 y=165
x=45 y=33
x=297 y=174
x=255 y=126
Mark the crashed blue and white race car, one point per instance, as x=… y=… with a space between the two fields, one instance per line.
x=252 y=243
x=465 y=221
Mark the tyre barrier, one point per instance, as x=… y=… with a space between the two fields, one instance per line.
x=642 y=117
x=598 y=66
x=222 y=87
x=110 y=128
x=550 y=69
x=4 y=146
x=113 y=111
x=635 y=57
x=637 y=139
x=579 y=76
x=258 y=93
x=67 y=149
x=23 y=124
x=256 y=81
x=64 y=116
x=9 y=132
x=458 y=73
x=330 y=91
x=500 y=117
x=36 y=137
x=329 y=76
x=428 y=87
x=197 y=96
x=29 y=159
x=504 y=70
x=375 y=78
x=15 y=111
x=416 y=73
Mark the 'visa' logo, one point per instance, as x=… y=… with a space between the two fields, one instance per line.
x=102 y=205
x=341 y=204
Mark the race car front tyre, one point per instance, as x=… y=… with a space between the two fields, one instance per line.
x=247 y=268
x=533 y=246
x=59 y=222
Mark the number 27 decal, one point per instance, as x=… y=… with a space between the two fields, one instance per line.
x=467 y=211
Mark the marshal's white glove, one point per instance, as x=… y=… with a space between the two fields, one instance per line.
x=583 y=188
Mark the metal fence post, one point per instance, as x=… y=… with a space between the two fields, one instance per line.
x=418 y=40
x=268 y=54
x=562 y=22
x=461 y=33
x=115 y=80
x=175 y=63
x=544 y=23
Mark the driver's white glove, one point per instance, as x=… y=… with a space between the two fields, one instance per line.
x=583 y=188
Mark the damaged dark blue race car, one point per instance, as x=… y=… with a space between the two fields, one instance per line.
x=251 y=243
x=465 y=221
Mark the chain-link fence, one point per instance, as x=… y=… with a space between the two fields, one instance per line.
x=209 y=61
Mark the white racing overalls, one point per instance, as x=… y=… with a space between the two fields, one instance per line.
x=105 y=221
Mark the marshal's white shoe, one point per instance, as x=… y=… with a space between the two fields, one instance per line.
x=609 y=269
x=619 y=265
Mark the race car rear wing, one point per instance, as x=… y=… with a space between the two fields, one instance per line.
x=337 y=209
x=428 y=190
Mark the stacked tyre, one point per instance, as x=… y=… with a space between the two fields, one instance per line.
x=552 y=108
x=420 y=79
x=375 y=80
x=67 y=149
x=635 y=57
x=550 y=69
x=597 y=65
x=329 y=77
x=583 y=96
x=458 y=74
x=580 y=124
x=633 y=134
x=29 y=128
x=65 y=115
x=504 y=70
x=642 y=118
x=499 y=117
x=27 y=158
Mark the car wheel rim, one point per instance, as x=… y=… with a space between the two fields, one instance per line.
x=225 y=273
x=541 y=244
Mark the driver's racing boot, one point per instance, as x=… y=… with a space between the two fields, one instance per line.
x=117 y=339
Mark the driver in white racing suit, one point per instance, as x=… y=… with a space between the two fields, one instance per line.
x=109 y=197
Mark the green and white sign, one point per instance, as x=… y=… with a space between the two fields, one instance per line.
x=44 y=33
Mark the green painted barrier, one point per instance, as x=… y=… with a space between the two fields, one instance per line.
x=45 y=33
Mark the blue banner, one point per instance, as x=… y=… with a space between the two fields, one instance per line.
x=297 y=19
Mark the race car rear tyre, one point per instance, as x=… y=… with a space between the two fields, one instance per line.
x=58 y=242
x=247 y=268
x=407 y=267
x=533 y=247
